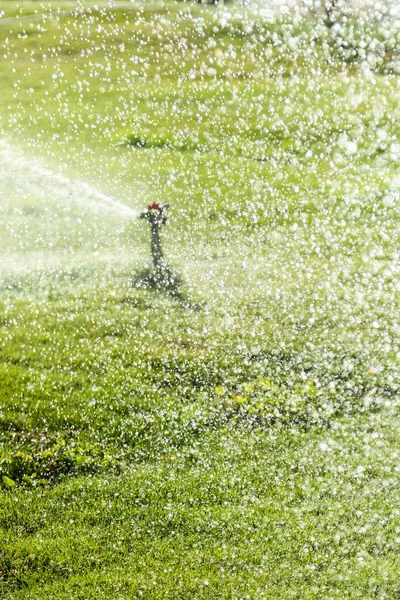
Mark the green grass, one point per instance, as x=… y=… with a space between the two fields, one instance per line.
x=241 y=443
x=241 y=515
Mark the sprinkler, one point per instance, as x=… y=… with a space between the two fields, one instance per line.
x=156 y=215
x=159 y=275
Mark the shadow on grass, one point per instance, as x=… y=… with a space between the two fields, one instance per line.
x=165 y=280
x=140 y=141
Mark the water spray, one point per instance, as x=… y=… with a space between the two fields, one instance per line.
x=28 y=174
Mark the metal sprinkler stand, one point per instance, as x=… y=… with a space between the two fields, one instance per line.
x=159 y=276
x=156 y=215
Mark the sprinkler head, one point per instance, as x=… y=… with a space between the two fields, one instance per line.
x=156 y=213
x=153 y=206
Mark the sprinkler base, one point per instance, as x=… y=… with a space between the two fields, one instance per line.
x=161 y=278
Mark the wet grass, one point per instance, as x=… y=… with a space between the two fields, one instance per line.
x=277 y=512
x=242 y=443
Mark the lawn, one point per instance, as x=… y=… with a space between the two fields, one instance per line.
x=240 y=440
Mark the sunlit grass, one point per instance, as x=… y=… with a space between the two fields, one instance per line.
x=240 y=443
